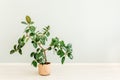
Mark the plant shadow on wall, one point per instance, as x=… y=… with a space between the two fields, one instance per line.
x=38 y=40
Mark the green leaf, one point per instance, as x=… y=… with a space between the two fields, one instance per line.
x=23 y=22
x=31 y=22
x=18 y=47
x=20 y=51
x=45 y=38
x=63 y=60
x=36 y=56
x=48 y=34
x=70 y=55
x=12 y=51
x=52 y=42
x=38 y=49
x=60 y=53
x=64 y=48
x=32 y=28
x=27 y=30
x=62 y=44
x=28 y=19
x=69 y=50
x=40 y=53
x=55 y=42
x=48 y=27
x=37 y=38
x=21 y=45
x=19 y=40
x=23 y=38
x=42 y=40
x=40 y=60
x=42 y=50
x=32 y=54
x=49 y=48
x=15 y=47
x=45 y=29
x=34 y=63
x=35 y=45
x=69 y=45
x=32 y=34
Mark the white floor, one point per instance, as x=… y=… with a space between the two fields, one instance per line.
x=61 y=72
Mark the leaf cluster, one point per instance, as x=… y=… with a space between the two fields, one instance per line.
x=38 y=56
x=61 y=49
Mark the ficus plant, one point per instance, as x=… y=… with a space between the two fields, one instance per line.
x=38 y=40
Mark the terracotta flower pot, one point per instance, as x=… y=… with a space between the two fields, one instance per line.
x=44 y=69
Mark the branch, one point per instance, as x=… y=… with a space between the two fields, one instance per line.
x=40 y=46
x=43 y=51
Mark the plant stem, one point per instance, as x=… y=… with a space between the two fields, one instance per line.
x=45 y=56
x=44 y=52
x=40 y=46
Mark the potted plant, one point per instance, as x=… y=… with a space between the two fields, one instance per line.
x=38 y=40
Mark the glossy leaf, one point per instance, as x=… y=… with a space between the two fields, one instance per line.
x=63 y=60
x=38 y=49
x=69 y=45
x=40 y=60
x=48 y=34
x=19 y=40
x=28 y=19
x=62 y=44
x=32 y=34
x=49 y=48
x=27 y=30
x=34 y=63
x=31 y=22
x=37 y=38
x=20 y=51
x=35 y=45
x=23 y=38
x=15 y=47
x=32 y=54
x=36 y=56
x=70 y=55
x=32 y=28
x=12 y=51
x=23 y=22
x=60 y=53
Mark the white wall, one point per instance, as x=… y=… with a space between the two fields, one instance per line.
x=92 y=26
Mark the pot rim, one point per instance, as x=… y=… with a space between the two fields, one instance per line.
x=47 y=63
